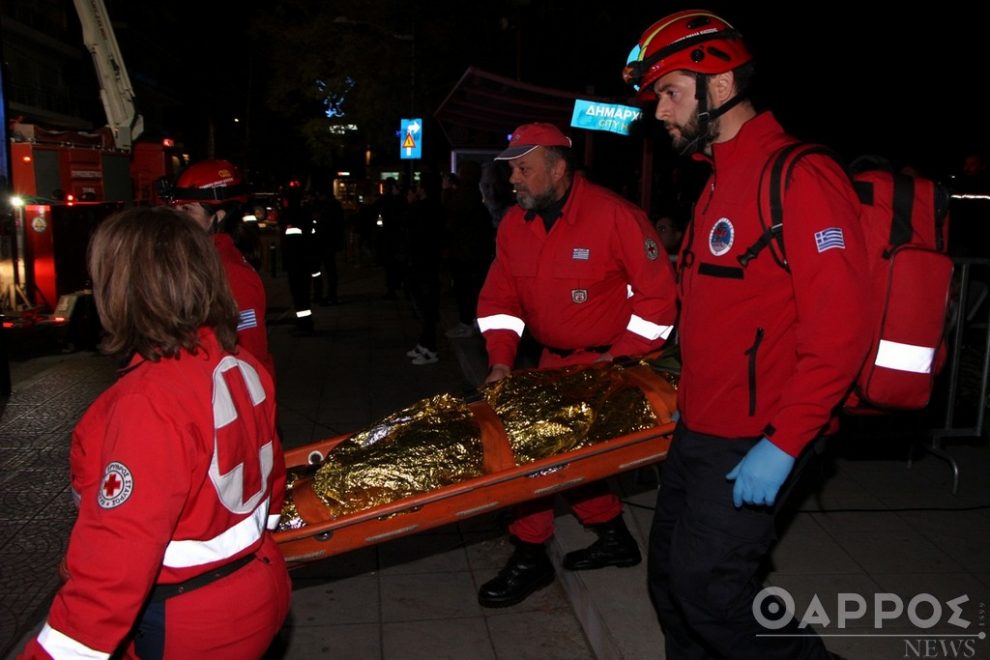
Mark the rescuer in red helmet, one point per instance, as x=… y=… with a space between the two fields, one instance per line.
x=770 y=346
x=213 y=193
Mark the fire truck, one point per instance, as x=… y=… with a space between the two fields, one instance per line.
x=63 y=183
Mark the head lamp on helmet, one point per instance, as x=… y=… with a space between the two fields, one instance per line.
x=694 y=40
x=210 y=182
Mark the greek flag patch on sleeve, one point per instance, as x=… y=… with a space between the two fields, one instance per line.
x=247 y=319
x=829 y=238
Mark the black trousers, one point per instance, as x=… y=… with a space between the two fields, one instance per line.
x=704 y=557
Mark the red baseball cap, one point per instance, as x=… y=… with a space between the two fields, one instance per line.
x=530 y=136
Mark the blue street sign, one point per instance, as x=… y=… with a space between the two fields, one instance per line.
x=609 y=117
x=411 y=139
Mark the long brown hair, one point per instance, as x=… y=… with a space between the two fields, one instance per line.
x=157 y=279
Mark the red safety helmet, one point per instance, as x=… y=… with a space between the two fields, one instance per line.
x=211 y=182
x=692 y=40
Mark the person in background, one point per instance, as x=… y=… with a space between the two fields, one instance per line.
x=177 y=468
x=390 y=210
x=768 y=350
x=296 y=226
x=496 y=191
x=328 y=223
x=425 y=238
x=470 y=244
x=213 y=194
x=581 y=268
x=668 y=231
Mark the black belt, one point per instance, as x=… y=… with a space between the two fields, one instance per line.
x=163 y=591
x=565 y=352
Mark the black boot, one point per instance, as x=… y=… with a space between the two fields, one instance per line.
x=615 y=547
x=527 y=570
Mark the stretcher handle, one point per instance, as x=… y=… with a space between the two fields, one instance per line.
x=661 y=401
x=309 y=505
x=494 y=440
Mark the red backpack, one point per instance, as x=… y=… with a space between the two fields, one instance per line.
x=905 y=222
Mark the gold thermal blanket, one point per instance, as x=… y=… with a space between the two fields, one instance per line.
x=436 y=442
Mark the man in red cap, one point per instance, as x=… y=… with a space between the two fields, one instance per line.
x=582 y=269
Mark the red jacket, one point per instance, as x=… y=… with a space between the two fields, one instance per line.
x=166 y=493
x=249 y=294
x=599 y=278
x=765 y=351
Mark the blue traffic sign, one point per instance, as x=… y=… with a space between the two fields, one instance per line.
x=411 y=139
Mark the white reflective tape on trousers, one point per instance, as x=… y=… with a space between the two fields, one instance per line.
x=640 y=326
x=501 y=322
x=905 y=357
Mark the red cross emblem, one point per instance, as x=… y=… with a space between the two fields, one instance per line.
x=117 y=486
x=112 y=485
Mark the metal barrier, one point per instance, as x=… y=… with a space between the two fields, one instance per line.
x=966 y=316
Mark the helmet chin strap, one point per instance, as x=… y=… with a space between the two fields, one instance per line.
x=706 y=117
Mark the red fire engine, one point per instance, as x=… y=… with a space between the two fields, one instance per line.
x=63 y=183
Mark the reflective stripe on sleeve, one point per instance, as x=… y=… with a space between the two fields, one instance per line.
x=60 y=645
x=643 y=328
x=273 y=519
x=501 y=322
x=905 y=357
x=183 y=554
x=293 y=231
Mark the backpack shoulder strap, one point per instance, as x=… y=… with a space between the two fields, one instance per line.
x=774 y=178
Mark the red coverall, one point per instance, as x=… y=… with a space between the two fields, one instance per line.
x=249 y=294
x=598 y=280
x=179 y=471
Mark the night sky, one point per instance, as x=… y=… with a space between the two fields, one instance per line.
x=903 y=83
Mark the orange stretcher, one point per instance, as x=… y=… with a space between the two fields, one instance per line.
x=502 y=484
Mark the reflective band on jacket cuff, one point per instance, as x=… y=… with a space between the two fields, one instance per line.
x=273 y=520
x=501 y=322
x=643 y=328
x=304 y=312
x=60 y=645
x=292 y=231
x=905 y=357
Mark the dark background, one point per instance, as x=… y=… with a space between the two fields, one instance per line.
x=904 y=83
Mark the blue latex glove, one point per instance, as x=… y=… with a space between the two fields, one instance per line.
x=759 y=474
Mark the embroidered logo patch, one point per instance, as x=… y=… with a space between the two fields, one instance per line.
x=116 y=486
x=652 y=251
x=581 y=254
x=579 y=295
x=721 y=237
x=829 y=238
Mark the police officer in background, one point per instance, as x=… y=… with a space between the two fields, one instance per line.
x=582 y=268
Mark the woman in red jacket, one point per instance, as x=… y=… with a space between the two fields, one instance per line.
x=177 y=468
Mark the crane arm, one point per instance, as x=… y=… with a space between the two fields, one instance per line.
x=116 y=91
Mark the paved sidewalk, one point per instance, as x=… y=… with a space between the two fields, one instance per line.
x=874 y=526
